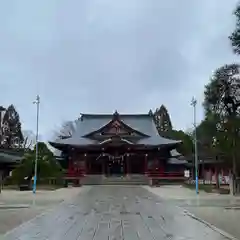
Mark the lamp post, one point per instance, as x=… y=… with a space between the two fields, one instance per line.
x=37 y=102
x=194 y=103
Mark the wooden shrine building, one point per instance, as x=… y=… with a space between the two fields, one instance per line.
x=114 y=144
x=9 y=159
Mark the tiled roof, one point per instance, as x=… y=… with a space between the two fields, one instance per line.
x=175 y=153
x=143 y=123
x=9 y=158
x=177 y=161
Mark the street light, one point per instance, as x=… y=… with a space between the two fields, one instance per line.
x=37 y=102
x=194 y=103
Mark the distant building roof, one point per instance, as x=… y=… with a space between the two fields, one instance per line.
x=10 y=156
x=206 y=162
x=177 y=161
x=175 y=153
x=88 y=123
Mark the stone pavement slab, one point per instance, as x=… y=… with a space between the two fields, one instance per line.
x=18 y=207
x=114 y=213
x=180 y=192
x=219 y=211
x=27 y=197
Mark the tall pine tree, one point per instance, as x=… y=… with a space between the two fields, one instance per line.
x=2 y=109
x=162 y=119
x=11 y=127
x=235 y=36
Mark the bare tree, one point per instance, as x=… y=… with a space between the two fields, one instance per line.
x=29 y=139
x=66 y=130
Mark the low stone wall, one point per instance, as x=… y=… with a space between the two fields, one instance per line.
x=160 y=181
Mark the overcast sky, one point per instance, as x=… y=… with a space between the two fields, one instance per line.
x=102 y=55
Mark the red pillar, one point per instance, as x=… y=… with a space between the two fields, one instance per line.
x=70 y=171
x=146 y=164
x=103 y=165
x=84 y=165
x=160 y=167
x=127 y=164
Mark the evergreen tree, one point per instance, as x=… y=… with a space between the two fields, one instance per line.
x=150 y=112
x=48 y=166
x=165 y=129
x=11 y=126
x=186 y=148
x=222 y=101
x=235 y=36
x=162 y=119
x=2 y=109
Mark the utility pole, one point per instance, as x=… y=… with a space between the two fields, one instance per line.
x=194 y=103
x=37 y=102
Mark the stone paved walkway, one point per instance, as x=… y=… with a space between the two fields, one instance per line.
x=17 y=207
x=114 y=213
x=221 y=211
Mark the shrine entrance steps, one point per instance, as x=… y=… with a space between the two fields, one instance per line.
x=134 y=179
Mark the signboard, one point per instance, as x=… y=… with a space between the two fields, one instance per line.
x=186 y=173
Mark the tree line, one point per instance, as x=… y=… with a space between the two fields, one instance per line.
x=11 y=134
x=222 y=108
x=219 y=132
x=165 y=129
x=13 y=138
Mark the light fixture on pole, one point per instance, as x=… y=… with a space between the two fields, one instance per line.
x=37 y=102
x=194 y=103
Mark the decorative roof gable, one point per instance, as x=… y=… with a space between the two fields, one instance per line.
x=115 y=128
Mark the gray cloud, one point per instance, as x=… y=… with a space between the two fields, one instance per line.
x=98 y=56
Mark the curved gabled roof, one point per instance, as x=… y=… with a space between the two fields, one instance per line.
x=143 y=123
x=10 y=157
x=177 y=161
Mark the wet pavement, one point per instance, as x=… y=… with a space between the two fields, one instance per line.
x=17 y=207
x=221 y=213
x=115 y=212
x=223 y=203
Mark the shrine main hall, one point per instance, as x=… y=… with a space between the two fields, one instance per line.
x=118 y=145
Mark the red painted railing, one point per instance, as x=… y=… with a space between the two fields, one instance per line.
x=75 y=171
x=79 y=173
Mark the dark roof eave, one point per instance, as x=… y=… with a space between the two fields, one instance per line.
x=9 y=158
x=61 y=146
